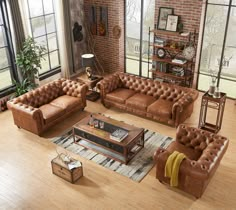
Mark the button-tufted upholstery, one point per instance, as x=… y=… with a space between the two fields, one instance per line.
x=41 y=108
x=169 y=104
x=204 y=151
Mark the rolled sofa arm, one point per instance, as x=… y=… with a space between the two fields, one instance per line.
x=26 y=116
x=188 y=167
x=108 y=84
x=182 y=106
x=75 y=89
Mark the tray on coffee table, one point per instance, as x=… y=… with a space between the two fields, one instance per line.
x=99 y=139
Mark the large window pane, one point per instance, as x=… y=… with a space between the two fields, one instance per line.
x=234 y=2
x=3 y=41
x=38 y=26
x=45 y=64
x=229 y=59
x=4 y=58
x=54 y=59
x=48 y=6
x=35 y=7
x=212 y=48
x=5 y=78
x=42 y=41
x=226 y=86
x=133 y=15
x=219 y=2
x=45 y=34
x=148 y=22
x=50 y=23
x=52 y=42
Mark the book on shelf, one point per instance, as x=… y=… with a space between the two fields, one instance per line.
x=119 y=134
x=179 y=60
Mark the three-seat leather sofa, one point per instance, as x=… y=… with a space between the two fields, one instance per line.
x=167 y=103
x=44 y=106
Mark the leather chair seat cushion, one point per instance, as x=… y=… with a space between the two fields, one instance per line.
x=120 y=95
x=51 y=112
x=140 y=101
x=162 y=108
x=66 y=102
x=191 y=153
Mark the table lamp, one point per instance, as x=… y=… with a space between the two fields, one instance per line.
x=88 y=63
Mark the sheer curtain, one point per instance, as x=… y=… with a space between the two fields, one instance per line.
x=64 y=36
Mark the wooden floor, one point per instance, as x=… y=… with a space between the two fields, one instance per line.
x=26 y=180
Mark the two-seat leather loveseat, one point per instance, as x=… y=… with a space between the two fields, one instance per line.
x=167 y=103
x=44 y=106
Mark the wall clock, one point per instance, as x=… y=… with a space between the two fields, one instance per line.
x=161 y=53
x=189 y=52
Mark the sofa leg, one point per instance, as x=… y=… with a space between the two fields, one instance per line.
x=18 y=127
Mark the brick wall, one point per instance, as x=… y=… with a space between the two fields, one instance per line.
x=189 y=12
x=108 y=49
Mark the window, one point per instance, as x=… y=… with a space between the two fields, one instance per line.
x=44 y=32
x=219 y=47
x=138 y=18
x=7 y=66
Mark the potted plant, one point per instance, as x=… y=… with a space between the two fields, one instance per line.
x=29 y=61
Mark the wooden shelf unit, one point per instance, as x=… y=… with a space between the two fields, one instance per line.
x=171 y=53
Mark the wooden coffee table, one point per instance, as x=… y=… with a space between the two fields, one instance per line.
x=99 y=139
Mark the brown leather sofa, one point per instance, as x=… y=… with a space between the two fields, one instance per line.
x=166 y=103
x=43 y=107
x=203 y=150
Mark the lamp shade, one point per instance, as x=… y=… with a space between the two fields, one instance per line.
x=87 y=60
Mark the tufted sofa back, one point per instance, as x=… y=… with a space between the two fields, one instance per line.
x=153 y=88
x=209 y=144
x=42 y=95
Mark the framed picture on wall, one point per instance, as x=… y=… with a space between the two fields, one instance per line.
x=93 y=19
x=163 y=15
x=103 y=21
x=172 y=22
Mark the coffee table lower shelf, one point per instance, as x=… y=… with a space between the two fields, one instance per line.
x=124 y=157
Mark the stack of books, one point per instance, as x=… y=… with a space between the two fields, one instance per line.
x=159 y=42
x=178 y=71
x=179 y=60
x=119 y=134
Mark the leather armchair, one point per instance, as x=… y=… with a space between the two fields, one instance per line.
x=203 y=150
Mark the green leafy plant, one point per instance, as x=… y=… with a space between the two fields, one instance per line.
x=29 y=61
x=21 y=87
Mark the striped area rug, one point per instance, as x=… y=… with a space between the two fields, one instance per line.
x=136 y=169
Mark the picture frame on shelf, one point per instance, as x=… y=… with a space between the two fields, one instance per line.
x=172 y=22
x=162 y=18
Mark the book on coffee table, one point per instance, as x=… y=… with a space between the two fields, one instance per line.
x=119 y=134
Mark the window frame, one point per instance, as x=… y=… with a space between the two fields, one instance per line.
x=9 y=46
x=51 y=71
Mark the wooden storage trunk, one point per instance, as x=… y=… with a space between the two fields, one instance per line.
x=61 y=169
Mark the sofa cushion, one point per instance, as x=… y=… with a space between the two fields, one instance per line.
x=120 y=95
x=66 y=102
x=162 y=108
x=192 y=154
x=140 y=101
x=51 y=112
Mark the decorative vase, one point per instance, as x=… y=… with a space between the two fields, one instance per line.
x=216 y=93
x=211 y=90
